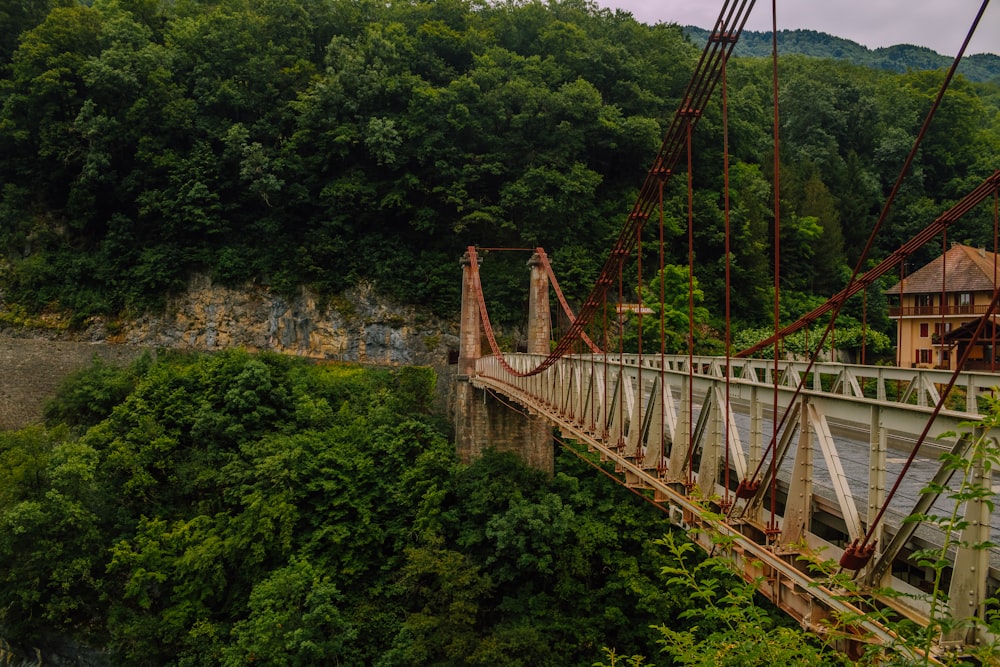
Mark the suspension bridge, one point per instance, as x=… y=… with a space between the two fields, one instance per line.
x=822 y=482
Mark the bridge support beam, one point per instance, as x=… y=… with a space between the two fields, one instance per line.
x=482 y=421
x=967 y=595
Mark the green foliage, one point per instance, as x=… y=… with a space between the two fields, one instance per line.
x=52 y=520
x=89 y=395
x=142 y=142
x=294 y=621
x=803 y=343
x=237 y=481
x=303 y=143
x=974 y=472
x=728 y=626
x=901 y=58
x=615 y=660
x=669 y=323
x=235 y=508
x=443 y=591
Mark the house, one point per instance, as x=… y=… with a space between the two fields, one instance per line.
x=938 y=307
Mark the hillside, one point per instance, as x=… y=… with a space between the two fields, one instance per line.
x=325 y=145
x=982 y=67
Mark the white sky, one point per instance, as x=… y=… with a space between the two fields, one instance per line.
x=938 y=24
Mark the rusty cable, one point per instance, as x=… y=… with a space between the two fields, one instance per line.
x=835 y=302
x=777 y=258
x=726 y=215
x=690 y=341
x=730 y=24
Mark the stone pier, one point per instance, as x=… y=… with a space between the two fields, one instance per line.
x=481 y=420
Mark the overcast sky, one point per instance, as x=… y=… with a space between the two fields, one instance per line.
x=938 y=24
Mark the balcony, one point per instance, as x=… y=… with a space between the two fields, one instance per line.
x=937 y=311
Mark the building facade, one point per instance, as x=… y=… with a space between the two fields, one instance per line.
x=939 y=306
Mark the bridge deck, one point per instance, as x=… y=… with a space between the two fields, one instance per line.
x=689 y=429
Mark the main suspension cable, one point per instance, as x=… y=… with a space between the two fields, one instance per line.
x=726 y=501
x=690 y=336
x=544 y=258
x=731 y=21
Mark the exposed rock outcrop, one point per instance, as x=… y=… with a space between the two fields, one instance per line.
x=357 y=326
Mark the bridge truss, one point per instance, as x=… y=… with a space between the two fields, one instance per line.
x=663 y=422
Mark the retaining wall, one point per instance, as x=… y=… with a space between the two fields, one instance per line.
x=31 y=371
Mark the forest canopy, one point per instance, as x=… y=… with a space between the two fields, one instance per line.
x=237 y=509
x=323 y=142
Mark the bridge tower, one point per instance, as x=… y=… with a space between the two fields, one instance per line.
x=481 y=420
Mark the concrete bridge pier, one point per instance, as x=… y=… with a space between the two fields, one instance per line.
x=481 y=420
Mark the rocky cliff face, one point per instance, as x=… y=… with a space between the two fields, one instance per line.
x=357 y=326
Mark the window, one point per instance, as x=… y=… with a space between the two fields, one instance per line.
x=964 y=302
x=924 y=304
x=924 y=356
x=924 y=330
x=942 y=328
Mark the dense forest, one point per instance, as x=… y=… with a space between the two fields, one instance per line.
x=323 y=142
x=260 y=510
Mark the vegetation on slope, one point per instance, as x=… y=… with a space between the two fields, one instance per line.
x=237 y=509
x=256 y=509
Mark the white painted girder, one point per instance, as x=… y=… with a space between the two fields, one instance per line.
x=644 y=407
x=794 y=590
x=848 y=508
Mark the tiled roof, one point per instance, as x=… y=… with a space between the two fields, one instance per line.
x=963 y=269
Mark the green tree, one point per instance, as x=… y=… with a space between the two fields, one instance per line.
x=294 y=620
x=52 y=522
x=828 y=266
x=671 y=315
x=18 y=18
x=89 y=395
x=46 y=92
x=728 y=626
x=442 y=591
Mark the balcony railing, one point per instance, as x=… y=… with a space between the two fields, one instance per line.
x=930 y=311
x=981 y=365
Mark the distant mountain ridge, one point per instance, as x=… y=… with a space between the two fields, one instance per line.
x=983 y=67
